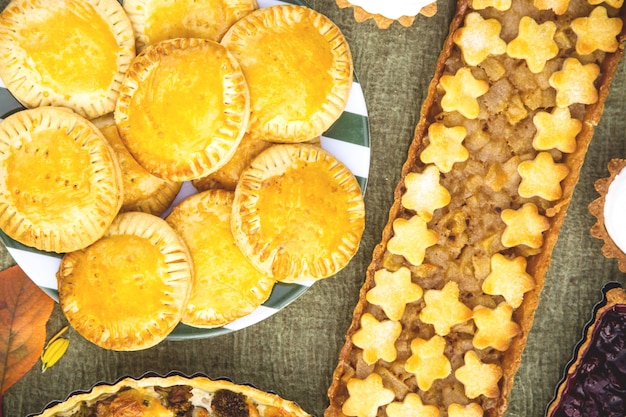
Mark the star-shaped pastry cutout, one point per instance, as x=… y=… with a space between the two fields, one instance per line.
x=445 y=147
x=428 y=361
x=574 y=83
x=501 y=5
x=613 y=3
x=508 y=278
x=479 y=378
x=478 y=38
x=411 y=239
x=377 y=338
x=557 y=6
x=556 y=130
x=494 y=327
x=461 y=92
x=524 y=226
x=534 y=43
x=597 y=32
x=444 y=309
x=411 y=406
x=424 y=194
x=470 y=410
x=393 y=291
x=365 y=396
x=542 y=177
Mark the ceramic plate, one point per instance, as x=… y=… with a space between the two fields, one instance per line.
x=348 y=139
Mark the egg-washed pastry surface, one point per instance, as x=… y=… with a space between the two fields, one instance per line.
x=608 y=209
x=298 y=213
x=128 y=290
x=302 y=97
x=594 y=384
x=79 y=64
x=184 y=108
x=449 y=297
x=174 y=395
x=60 y=182
x=157 y=20
x=226 y=285
x=142 y=190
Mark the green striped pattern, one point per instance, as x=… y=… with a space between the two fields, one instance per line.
x=348 y=139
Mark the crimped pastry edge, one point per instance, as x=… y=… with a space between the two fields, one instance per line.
x=537 y=265
x=88 y=105
x=613 y=294
x=196 y=380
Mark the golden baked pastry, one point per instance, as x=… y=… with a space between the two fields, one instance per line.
x=384 y=14
x=298 y=213
x=608 y=211
x=142 y=190
x=157 y=20
x=60 y=182
x=78 y=64
x=184 y=108
x=227 y=176
x=128 y=290
x=302 y=97
x=497 y=152
x=174 y=395
x=226 y=285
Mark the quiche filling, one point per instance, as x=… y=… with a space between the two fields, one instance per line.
x=173 y=401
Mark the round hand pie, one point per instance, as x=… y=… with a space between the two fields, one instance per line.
x=60 y=182
x=183 y=108
x=79 y=63
x=127 y=291
x=298 y=213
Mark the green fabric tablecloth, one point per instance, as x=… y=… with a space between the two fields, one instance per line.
x=294 y=352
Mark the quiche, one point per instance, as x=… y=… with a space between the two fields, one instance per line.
x=174 y=395
x=183 y=108
x=299 y=69
x=60 y=180
x=453 y=286
x=79 y=64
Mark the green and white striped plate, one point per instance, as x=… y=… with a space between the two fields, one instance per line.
x=348 y=139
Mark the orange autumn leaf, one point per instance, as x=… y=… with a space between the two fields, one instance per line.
x=24 y=312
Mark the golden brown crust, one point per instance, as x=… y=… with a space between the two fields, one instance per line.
x=91 y=51
x=272 y=34
x=360 y=15
x=145 y=269
x=154 y=21
x=142 y=190
x=154 y=107
x=267 y=404
x=61 y=185
x=226 y=285
x=538 y=260
x=596 y=208
x=298 y=213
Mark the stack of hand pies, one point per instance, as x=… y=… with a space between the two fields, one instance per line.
x=92 y=165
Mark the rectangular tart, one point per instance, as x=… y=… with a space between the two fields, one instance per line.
x=449 y=297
